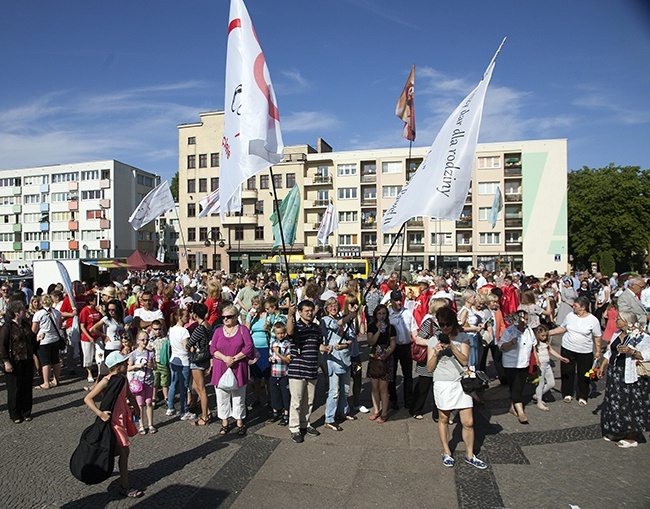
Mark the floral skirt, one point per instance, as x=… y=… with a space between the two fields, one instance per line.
x=625 y=407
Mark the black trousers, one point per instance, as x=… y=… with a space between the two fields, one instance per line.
x=355 y=378
x=19 y=389
x=402 y=355
x=421 y=392
x=496 y=357
x=582 y=362
x=516 y=380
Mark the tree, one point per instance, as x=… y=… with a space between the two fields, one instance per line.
x=609 y=212
x=173 y=187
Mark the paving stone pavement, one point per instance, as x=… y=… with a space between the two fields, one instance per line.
x=557 y=460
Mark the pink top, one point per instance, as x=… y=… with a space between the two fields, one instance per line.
x=240 y=342
x=121 y=418
x=610 y=329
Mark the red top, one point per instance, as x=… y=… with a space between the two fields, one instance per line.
x=213 y=310
x=611 y=328
x=89 y=317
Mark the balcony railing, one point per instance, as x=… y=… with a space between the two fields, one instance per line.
x=294 y=157
x=469 y=198
x=368 y=225
x=415 y=223
x=368 y=177
x=322 y=179
x=513 y=246
x=512 y=171
x=512 y=197
x=323 y=249
x=415 y=248
x=368 y=246
x=317 y=203
x=464 y=248
x=514 y=223
x=368 y=202
x=464 y=223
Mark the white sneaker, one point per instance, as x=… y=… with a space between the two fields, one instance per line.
x=188 y=416
x=170 y=412
x=364 y=410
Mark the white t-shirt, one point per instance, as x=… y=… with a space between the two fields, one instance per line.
x=179 y=356
x=113 y=328
x=519 y=355
x=580 y=333
x=46 y=326
x=404 y=323
x=149 y=316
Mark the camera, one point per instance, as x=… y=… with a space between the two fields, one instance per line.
x=444 y=339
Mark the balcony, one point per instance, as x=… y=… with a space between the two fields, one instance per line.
x=318 y=250
x=514 y=246
x=73 y=186
x=44 y=188
x=410 y=173
x=237 y=220
x=464 y=223
x=294 y=157
x=17 y=209
x=18 y=227
x=512 y=197
x=17 y=190
x=104 y=184
x=368 y=225
x=44 y=207
x=512 y=171
x=417 y=223
x=319 y=180
x=368 y=202
x=44 y=246
x=368 y=246
x=469 y=198
x=315 y=204
x=464 y=248
x=514 y=222
x=104 y=224
x=249 y=194
x=18 y=246
x=104 y=244
x=73 y=245
x=415 y=248
x=368 y=178
x=44 y=227
x=105 y=203
x=73 y=226
x=73 y=205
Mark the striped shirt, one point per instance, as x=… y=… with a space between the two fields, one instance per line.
x=305 y=344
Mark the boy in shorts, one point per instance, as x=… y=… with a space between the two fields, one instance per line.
x=159 y=343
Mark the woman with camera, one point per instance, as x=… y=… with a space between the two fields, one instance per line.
x=448 y=355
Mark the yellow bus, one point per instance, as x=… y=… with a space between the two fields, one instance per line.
x=299 y=266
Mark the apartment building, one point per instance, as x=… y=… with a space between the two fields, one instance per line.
x=72 y=211
x=530 y=234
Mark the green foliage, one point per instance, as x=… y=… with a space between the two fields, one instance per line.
x=173 y=187
x=609 y=214
x=607 y=264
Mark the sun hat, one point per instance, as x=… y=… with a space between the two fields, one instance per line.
x=109 y=291
x=115 y=358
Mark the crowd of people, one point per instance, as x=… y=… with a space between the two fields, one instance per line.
x=174 y=334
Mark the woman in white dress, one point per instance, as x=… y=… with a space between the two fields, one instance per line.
x=448 y=354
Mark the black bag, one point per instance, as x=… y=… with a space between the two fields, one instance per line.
x=472 y=383
x=93 y=460
x=201 y=352
x=376 y=368
x=61 y=333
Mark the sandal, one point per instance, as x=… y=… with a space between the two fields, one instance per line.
x=42 y=388
x=382 y=419
x=131 y=492
x=374 y=417
x=17 y=421
x=418 y=417
x=333 y=426
x=142 y=431
x=241 y=431
x=27 y=419
x=152 y=430
x=224 y=430
x=582 y=402
x=200 y=422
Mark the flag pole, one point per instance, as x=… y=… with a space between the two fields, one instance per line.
x=381 y=266
x=401 y=258
x=182 y=236
x=276 y=207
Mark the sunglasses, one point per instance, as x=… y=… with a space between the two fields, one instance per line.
x=444 y=324
x=112 y=309
x=156 y=329
x=230 y=316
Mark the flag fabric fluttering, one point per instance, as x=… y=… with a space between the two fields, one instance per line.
x=252 y=140
x=497 y=205
x=440 y=185
x=288 y=212
x=157 y=202
x=329 y=223
x=405 y=108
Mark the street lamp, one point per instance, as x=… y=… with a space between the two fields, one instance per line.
x=215 y=238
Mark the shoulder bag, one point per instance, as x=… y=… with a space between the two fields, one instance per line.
x=643 y=368
x=471 y=381
x=201 y=352
x=135 y=384
x=63 y=340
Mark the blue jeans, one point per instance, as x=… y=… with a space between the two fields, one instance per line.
x=337 y=395
x=181 y=375
x=280 y=396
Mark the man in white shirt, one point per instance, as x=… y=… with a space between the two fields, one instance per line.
x=147 y=314
x=482 y=280
x=402 y=319
x=332 y=291
x=645 y=298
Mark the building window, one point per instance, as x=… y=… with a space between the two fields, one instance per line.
x=513 y=237
x=264 y=181
x=31 y=198
x=441 y=239
x=291 y=180
x=191 y=162
x=191 y=234
x=323 y=195
x=214 y=159
x=277 y=181
x=214 y=184
x=259 y=207
x=145 y=181
x=259 y=233
x=191 y=140
x=203 y=185
x=203 y=160
x=416 y=239
x=250 y=184
x=485 y=212
x=203 y=234
x=348 y=240
x=65 y=177
x=369 y=239
x=191 y=185
x=347 y=193
x=391 y=167
x=239 y=232
x=96 y=194
x=369 y=193
x=348 y=217
x=490 y=162
x=464 y=239
x=368 y=168
x=487 y=187
x=390 y=191
x=489 y=239
x=90 y=175
x=191 y=210
x=346 y=170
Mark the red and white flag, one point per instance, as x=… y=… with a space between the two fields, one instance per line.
x=329 y=223
x=157 y=202
x=405 y=108
x=252 y=140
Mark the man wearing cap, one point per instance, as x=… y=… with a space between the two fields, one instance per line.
x=406 y=327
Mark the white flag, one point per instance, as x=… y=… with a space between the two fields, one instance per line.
x=211 y=204
x=439 y=187
x=497 y=205
x=67 y=286
x=329 y=223
x=252 y=140
x=158 y=201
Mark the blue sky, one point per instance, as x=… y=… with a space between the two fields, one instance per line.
x=84 y=80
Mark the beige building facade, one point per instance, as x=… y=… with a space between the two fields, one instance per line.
x=530 y=234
